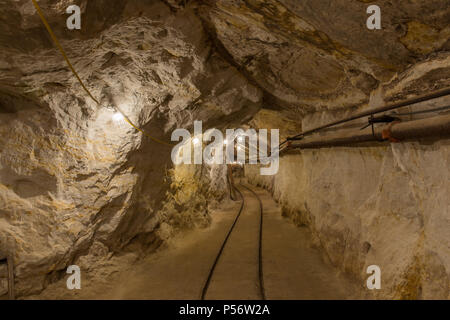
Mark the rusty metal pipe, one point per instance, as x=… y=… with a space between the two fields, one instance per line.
x=388 y=107
x=435 y=127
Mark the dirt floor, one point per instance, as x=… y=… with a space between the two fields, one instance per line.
x=293 y=269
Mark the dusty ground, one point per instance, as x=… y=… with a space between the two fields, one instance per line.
x=292 y=268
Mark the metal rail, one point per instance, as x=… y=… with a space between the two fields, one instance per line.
x=260 y=260
x=10 y=266
x=11 y=289
x=216 y=260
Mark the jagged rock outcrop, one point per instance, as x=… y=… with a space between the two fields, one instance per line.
x=76 y=186
x=312 y=55
x=69 y=175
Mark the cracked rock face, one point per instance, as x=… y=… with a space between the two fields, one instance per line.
x=70 y=175
x=311 y=55
x=75 y=185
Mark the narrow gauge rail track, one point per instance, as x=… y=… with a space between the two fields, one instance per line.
x=224 y=244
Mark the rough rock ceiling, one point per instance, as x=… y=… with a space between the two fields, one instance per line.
x=312 y=54
x=305 y=55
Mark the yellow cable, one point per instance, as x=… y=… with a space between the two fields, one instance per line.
x=58 y=45
x=142 y=131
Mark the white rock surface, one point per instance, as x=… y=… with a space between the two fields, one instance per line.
x=69 y=176
x=384 y=205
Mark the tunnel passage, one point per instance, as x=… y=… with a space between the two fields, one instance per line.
x=102 y=165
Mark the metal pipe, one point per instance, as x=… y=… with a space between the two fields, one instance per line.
x=436 y=127
x=11 y=290
x=392 y=106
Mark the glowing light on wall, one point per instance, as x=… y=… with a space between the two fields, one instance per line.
x=195 y=141
x=118 y=119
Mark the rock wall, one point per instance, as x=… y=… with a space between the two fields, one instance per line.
x=70 y=177
x=384 y=205
x=194 y=191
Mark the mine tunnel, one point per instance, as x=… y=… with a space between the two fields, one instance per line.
x=227 y=149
